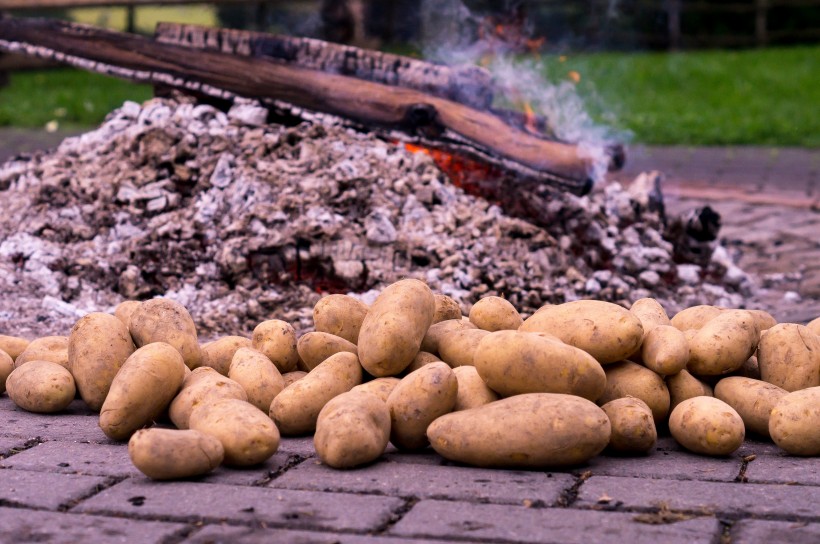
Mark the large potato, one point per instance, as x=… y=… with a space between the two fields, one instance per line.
x=125 y=310
x=41 y=386
x=48 y=348
x=446 y=309
x=439 y=330
x=536 y=430
x=694 y=317
x=789 y=357
x=277 y=340
x=495 y=314
x=633 y=427
x=422 y=358
x=651 y=314
x=753 y=400
x=168 y=454
x=352 y=429
x=13 y=345
x=795 y=421
x=723 y=344
x=628 y=379
x=6 y=367
x=202 y=386
x=512 y=362
x=417 y=400
x=665 y=350
x=247 y=434
x=472 y=390
x=315 y=347
x=763 y=319
x=219 y=353
x=292 y=377
x=296 y=409
x=258 y=377
x=143 y=388
x=380 y=387
x=604 y=330
x=394 y=327
x=458 y=347
x=340 y=315
x=814 y=326
x=683 y=386
x=707 y=425
x=163 y=320
x=98 y=346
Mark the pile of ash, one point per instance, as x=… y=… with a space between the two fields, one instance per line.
x=242 y=220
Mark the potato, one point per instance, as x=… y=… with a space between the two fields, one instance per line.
x=795 y=420
x=380 y=387
x=439 y=330
x=340 y=315
x=277 y=340
x=315 y=347
x=352 y=429
x=41 y=386
x=763 y=319
x=535 y=430
x=750 y=369
x=753 y=400
x=163 y=320
x=258 y=377
x=291 y=377
x=813 y=326
x=472 y=391
x=683 y=386
x=13 y=345
x=219 y=353
x=495 y=314
x=422 y=358
x=394 y=327
x=707 y=425
x=789 y=357
x=125 y=310
x=247 y=434
x=98 y=346
x=48 y=348
x=168 y=454
x=458 y=347
x=604 y=330
x=651 y=314
x=297 y=407
x=628 y=379
x=6 y=367
x=202 y=386
x=446 y=309
x=512 y=362
x=417 y=400
x=633 y=426
x=143 y=388
x=694 y=317
x=665 y=350
x=723 y=344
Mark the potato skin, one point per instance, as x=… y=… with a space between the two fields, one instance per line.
x=125 y=310
x=707 y=425
x=422 y=358
x=763 y=319
x=201 y=386
x=458 y=347
x=627 y=379
x=814 y=326
x=13 y=345
x=446 y=309
x=315 y=347
x=352 y=429
x=512 y=363
x=163 y=320
x=633 y=427
x=48 y=348
x=417 y=400
x=753 y=400
x=651 y=314
x=296 y=409
x=395 y=326
x=98 y=346
x=258 y=377
x=169 y=454
x=665 y=350
x=472 y=391
x=277 y=340
x=6 y=367
x=380 y=387
x=143 y=388
x=495 y=314
x=695 y=317
x=789 y=357
x=723 y=344
x=512 y=432
x=439 y=330
x=795 y=420
x=684 y=386
x=340 y=315
x=247 y=434
x=604 y=330
x=41 y=386
x=293 y=377
x=219 y=353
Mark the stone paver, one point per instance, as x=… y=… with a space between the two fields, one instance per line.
x=45 y=489
x=755 y=531
x=77 y=423
x=786 y=470
x=9 y=443
x=73 y=457
x=670 y=465
x=223 y=534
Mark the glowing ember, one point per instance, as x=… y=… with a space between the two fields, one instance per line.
x=469 y=174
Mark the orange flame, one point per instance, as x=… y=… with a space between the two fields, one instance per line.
x=464 y=172
x=530 y=124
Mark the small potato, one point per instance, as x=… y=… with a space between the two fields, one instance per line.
x=292 y=377
x=446 y=309
x=315 y=347
x=512 y=363
x=472 y=390
x=665 y=350
x=495 y=314
x=143 y=388
x=420 y=398
x=683 y=386
x=202 y=386
x=277 y=340
x=394 y=327
x=536 y=430
x=789 y=357
x=98 y=346
x=352 y=429
x=753 y=400
x=380 y=387
x=795 y=420
x=814 y=326
x=422 y=358
x=750 y=369
x=13 y=345
x=258 y=377
x=707 y=425
x=247 y=434
x=723 y=344
x=48 y=348
x=458 y=347
x=41 y=386
x=633 y=427
x=651 y=314
x=219 y=354
x=439 y=330
x=168 y=454
x=163 y=320
x=764 y=319
x=125 y=310
x=6 y=367
x=604 y=330
x=628 y=379
x=340 y=315
x=694 y=317
x=297 y=407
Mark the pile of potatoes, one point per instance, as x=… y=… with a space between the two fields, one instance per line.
x=490 y=389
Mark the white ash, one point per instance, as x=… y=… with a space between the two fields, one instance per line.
x=243 y=221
